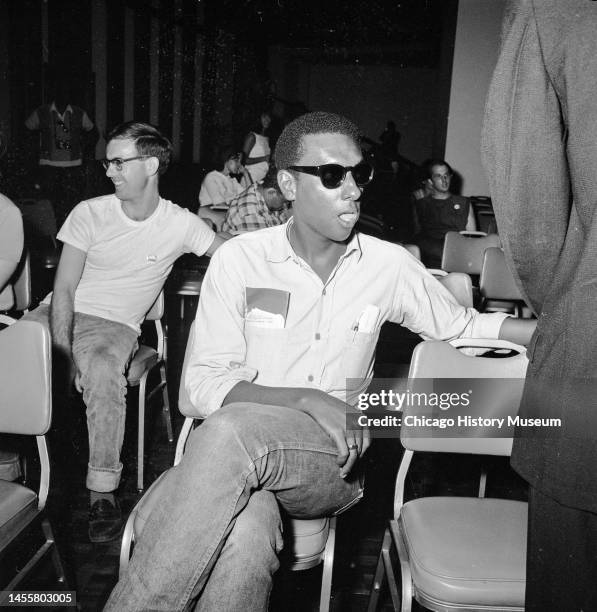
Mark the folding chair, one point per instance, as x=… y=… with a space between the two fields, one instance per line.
x=313 y=540
x=143 y=362
x=26 y=400
x=20 y=288
x=458 y=284
x=457 y=553
x=497 y=285
x=463 y=251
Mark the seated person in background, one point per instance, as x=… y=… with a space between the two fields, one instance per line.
x=285 y=316
x=220 y=187
x=261 y=205
x=118 y=251
x=11 y=249
x=439 y=212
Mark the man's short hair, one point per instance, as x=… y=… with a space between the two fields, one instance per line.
x=289 y=148
x=148 y=141
x=429 y=164
x=270 y=180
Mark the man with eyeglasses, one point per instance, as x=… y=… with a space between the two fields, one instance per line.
x=284 y=343
x=118 y=250
x=439 y=212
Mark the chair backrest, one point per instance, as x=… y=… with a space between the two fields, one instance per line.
x=460 y=286
x=414 y=250
x=464 y=253
x=497 y=281
x=156 y=312
x=486 y=221
x=497 y=395
x=25 y=379
x=22 y=284
x=371 y=225
x=16 y=295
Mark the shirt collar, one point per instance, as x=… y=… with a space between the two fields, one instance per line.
x=68 y=109
x=280 y=249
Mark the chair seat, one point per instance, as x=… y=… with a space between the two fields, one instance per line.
x=467 y=551
x=143 y=360
x=14 y=498
x=309 y=540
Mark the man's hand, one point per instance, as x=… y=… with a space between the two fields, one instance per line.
x=330 y=414
x=327 y=411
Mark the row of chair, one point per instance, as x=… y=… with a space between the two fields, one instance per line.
x=453 y=554
x=481 y=257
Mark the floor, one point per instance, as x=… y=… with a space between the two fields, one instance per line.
x=92 y=568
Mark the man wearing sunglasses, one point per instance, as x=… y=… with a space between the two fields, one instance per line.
x=118 y=250
x=284 y=344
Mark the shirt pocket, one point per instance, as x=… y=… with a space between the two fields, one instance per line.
x=358 y=353
x=265 y=352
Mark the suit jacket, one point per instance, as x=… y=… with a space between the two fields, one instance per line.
x=540 y=153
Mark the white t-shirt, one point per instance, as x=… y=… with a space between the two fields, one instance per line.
x=128 y=261
x=217 y=188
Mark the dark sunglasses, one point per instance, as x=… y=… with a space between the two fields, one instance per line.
x=333 y=175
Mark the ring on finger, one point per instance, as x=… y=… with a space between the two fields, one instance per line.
x=353 y=447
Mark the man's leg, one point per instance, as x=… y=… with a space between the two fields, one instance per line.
x=102 y=350
x=257 y=533
x=238 y=450
x=561 y=553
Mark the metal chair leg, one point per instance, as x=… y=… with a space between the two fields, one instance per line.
x=141 y=432
x=328 y=567
x=166 y=406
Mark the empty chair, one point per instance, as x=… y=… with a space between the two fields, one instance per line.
x=458 y=553
x=463 y=252
x=497 y=285
x=145 y=359
x=26 y=400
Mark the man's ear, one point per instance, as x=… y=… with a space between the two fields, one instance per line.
x=153 y=165
x=287 y=183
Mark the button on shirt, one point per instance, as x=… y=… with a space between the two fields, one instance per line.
x=314 y=334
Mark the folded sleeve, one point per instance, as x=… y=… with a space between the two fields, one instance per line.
x=217 y=359
x=198 y=236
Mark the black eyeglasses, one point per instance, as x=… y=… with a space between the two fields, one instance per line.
x=333 y=175
x=117 y=162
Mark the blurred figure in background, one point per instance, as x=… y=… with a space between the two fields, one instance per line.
x=261 y=205
x=220 y=187
x=256 y=149
x=65 y=132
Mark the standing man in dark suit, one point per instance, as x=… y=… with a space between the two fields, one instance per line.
x=540 y=152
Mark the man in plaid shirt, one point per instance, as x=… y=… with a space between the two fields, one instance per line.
x=258 y=206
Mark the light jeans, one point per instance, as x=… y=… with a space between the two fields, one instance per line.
x=102 y=350
x=217 y=530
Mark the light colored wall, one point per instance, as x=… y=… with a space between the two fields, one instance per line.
x=475 y=54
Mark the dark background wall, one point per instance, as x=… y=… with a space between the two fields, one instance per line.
x=229 y=59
